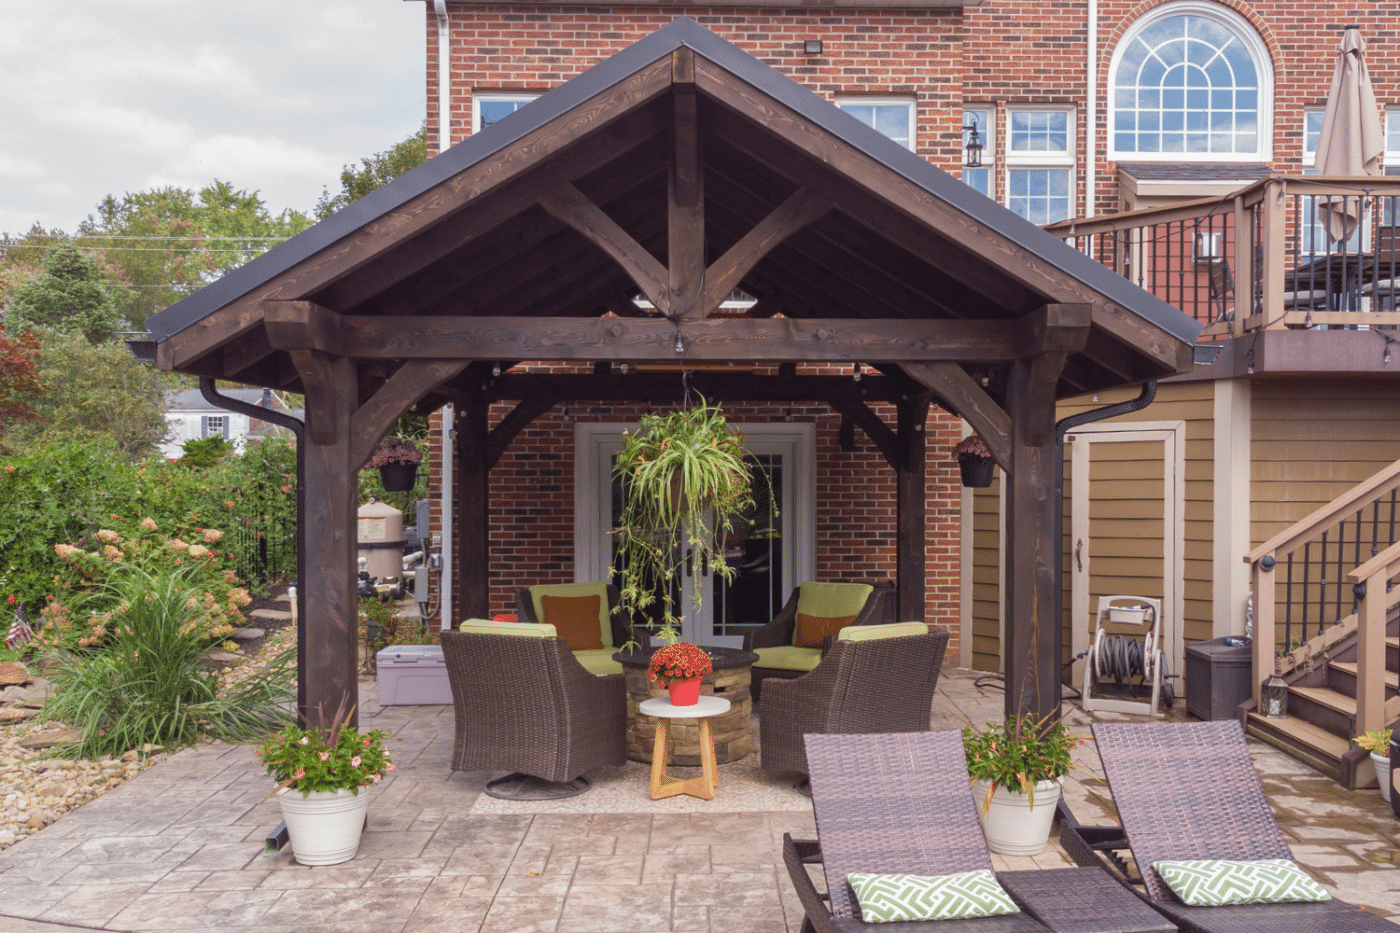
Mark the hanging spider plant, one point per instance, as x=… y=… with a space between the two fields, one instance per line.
x=685 y=482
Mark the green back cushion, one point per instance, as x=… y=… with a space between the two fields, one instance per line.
x=537 y=594
x=831 y=600
x=1217 y=882
x=788 y=658
x=875 y=632
x=902 y=898
x=525 y=629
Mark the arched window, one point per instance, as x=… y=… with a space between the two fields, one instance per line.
x=1191 y=81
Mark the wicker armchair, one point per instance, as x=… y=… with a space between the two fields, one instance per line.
x=525 y=704
x=1189 y=791
x=900 y=803
x=883 y=685
x=780 y=632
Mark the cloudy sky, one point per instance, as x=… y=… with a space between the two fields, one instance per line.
x=103 y=97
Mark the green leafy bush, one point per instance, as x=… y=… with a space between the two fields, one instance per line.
x=204 y=452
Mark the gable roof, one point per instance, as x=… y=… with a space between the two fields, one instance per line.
x=473 y=231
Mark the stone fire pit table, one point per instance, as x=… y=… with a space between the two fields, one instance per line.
x=733 y=737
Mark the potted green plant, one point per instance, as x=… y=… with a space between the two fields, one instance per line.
x=974 y=461
x=1015 y=775
x=679 y=668
x=320 y=773
x=1377 y=742
x=397 y=459
x=685 y=481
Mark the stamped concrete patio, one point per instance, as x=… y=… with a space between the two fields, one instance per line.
x=180 y=847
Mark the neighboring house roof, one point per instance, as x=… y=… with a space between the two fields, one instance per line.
x=192 y=400
x=1243 y=172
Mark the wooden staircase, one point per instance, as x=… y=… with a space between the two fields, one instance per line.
x=1333 y=580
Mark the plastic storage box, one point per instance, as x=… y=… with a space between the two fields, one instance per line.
x=1217 y=678
x=412 y=675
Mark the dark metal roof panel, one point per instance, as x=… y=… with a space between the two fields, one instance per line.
x=687 y=32
x=1243 y=172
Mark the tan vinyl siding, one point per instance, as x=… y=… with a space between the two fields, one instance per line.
x=986 y=576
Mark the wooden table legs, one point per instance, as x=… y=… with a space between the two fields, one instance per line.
x=702 y=786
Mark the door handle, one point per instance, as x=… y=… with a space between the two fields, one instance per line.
x=1079 y=554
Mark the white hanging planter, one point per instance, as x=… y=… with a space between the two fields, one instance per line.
x=1012 y=826
x=1382 y=763
x=324 y=827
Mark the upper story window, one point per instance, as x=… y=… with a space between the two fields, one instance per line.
x=1390 y=206
x=214 y=426
x=893 y=116
x=491 y=107
x=1040 y=164
x=981 y=117
x=1191 y=81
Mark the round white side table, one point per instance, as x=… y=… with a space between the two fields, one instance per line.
x=663 y=711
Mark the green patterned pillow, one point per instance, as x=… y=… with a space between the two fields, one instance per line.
x=1217 y=882
x=887 y=898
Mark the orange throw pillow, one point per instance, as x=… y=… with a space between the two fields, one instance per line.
x=575 y=618
x=812 y=630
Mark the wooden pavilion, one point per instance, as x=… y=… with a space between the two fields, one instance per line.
x=677 y=170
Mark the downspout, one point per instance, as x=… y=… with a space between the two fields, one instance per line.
x=444 y=75
x=1091 y=110
x=447 y=470
x=1063 y=427
x=298 y=428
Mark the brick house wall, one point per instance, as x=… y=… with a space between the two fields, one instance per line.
x=999 y=54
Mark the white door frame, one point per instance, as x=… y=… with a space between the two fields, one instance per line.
x=593 y=441
x=1172 y=435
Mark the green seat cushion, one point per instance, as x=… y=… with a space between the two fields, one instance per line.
x=537 y=594
x=525 y=629
x=788 y=658
x=599 y=661
x=903 y=898
x=1217 y=882
x=831 y=600
x=876 y=632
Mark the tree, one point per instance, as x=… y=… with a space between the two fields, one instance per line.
x=70 y=296
x=378 y=169
x=96 y=391
x=19 y=380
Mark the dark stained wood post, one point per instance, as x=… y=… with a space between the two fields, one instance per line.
x=910 y=507
x=473 y=490
x=332 y=624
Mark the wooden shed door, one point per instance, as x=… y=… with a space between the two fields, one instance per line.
x=1126 y=524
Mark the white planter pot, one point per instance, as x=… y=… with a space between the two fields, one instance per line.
x=324 y=827
x=1382 y=763
x=1012 y=826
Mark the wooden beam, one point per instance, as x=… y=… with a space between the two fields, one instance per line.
x=911 y=508
x=1060 y=328
x=407 y=385
x=515 y=421
x=319 y=383
x=302 y=325
x=575 y=209
x=245 y=352
x=884 y=439
x=721 y=386
x=963 y=396
x=473 y=511
x=685 y=195
x=800 y=209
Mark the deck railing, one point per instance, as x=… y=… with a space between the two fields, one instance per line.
x=1306 y=577
x=1261 y=257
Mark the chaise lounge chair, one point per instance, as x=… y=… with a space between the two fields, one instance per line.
x=901 y=803
x=1189 y=791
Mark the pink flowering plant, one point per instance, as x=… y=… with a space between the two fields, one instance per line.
x=330 y=757
x=1020 y=756
x=678 y=661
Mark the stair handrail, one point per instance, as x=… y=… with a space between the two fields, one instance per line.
x=1377 y=599
x=1263 y=559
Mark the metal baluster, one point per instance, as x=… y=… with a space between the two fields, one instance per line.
x=1307 y=574
x=1288 y=603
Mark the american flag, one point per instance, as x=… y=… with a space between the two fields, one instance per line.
x=20 y=630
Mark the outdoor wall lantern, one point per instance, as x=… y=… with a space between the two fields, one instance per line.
x=973 y=147
x=1275 y=698
x=812 y=47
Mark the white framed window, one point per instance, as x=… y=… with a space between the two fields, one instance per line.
x=983 y=117
x=1191 y=81
x=1040 y=163
x=1390 y=207
x=211 y=425
x=892 y=116
x=490 y=107
x=1312 y=233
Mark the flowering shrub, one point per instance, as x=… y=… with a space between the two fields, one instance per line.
x=329 y=758
x=1019 y=757
x=678 y=661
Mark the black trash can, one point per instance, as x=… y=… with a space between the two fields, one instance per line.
x=1217 y=678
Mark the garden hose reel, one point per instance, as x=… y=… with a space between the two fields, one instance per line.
x=1125 y=658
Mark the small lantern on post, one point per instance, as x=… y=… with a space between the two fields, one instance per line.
x=1275 y=698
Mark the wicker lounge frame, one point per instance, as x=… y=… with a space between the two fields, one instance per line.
x=525 y=704
x=879 y=607
x=884 y=685
x=1189 y=791
x=900 y=802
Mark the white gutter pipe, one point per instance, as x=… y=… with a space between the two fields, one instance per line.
x=444 y=76
x=1091 y=110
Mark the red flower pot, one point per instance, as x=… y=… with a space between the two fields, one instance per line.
x=685 y=692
